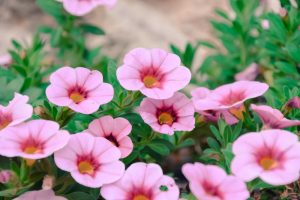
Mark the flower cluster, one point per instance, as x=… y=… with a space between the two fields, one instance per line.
x=92 y=157
x=136 y=131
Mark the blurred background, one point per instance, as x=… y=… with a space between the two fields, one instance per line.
x=132 y=23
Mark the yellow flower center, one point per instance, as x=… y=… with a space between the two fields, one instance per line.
x=165 y=118
x=86 y=167
x=140 y=197
x=4 y=124
x=150 y=81
x=268 y=163
x=76 y=97
x=31 y=150
x=238 y=112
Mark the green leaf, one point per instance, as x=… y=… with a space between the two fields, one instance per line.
x=176 y=50
x=206 y=44
x=216 y=133
x=16 y=44
x=286 y=67
x=55 y=37
x=222 y=13
x=45 y=29
x=159 y=148
x=51 y=7
x=80 y=196
x=294 y=52
x=89 y=28
x=212 y=143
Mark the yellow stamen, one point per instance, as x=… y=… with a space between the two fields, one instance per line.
x=29 y=162
x=238 y=112
x=268 y=163
x=4 y=124
x=150 y=81
x=165 y=118
x=141 y=197
x=31 y=150
x=86 y=167
x=76 y=97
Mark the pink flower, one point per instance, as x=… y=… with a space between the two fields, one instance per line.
x=211 y=115
x=169 y=115
x=114 y=130
x=293 y=103
x=156 y=73
x=5 y=60
x=40 y=195
x=16 y=112
x=272 y=155
x=92 y=161
x=273 y=118
x=249 y=74
x=5 y=176
x=80 y=89
x=229 y=97
x=82 y=7
x=209 y=182
x=142 y=181
x=35 y=139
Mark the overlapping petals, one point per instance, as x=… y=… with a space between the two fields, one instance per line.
x=115 y=130
x=273 y=118
x=169 y=115
x=209 y=182
x=92 y=161
x=272 y=155
x=35 y=139
x=156 y=73
x=79 y=88
x=16 y=112
x=227 y=100
x=142 y=181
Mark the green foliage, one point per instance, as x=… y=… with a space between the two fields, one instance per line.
x=241 y=41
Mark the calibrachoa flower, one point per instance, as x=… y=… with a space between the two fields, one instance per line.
x=273 y=118
x=229 y=97
x=40 y=195
x=209 y=182
x=142 y=181
x=211 y=115
x=169 y=115
x=35 y=139
x=82 y=7
x=156 y=73
x=272 y=155
x=114 y=130
x=16 y=112
x=92 y=161
x=79 y=88
x=5 y=176
x=293 y=103
x=249 y=74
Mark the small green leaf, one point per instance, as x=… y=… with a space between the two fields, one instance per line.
x=159 y=148
x=286 y=67
x=89 y=28
x=212 y=143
